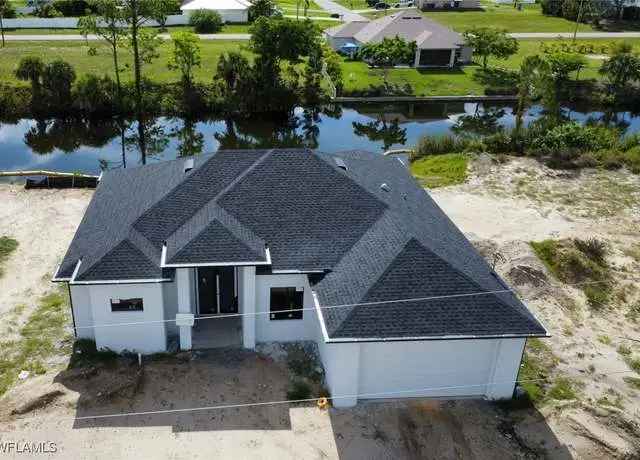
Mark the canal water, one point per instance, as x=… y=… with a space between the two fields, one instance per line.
x=88 y=147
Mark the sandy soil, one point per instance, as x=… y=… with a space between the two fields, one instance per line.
x=43 y=222
x=500 y=208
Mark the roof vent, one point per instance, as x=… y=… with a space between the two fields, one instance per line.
x=385 y=187
x=341 y=164
x=188 y=165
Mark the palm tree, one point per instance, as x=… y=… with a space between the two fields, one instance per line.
x=31 y=69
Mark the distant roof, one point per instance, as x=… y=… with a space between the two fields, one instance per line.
x=214 y=5
x=407 y=24
x=324 y=214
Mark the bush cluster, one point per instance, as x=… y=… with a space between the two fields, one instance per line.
x=565 y=145
x=206 y=21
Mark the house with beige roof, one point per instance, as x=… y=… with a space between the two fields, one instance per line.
x=437 y=45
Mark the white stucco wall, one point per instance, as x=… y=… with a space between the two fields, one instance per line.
x=170 y=301
x=82 y=314
x=285 y=330
x=438 y=368
x=143 y=338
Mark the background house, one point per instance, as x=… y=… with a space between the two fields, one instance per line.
x=233 y=11
x=437 y=45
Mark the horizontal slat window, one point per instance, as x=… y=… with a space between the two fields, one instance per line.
x=126 y=304
x=286 y=303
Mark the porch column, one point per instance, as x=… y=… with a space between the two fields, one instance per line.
x=247 y=303
x=452 y=60
x=416 y=62
x=184 y=318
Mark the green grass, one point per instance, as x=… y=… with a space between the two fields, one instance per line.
x=563 y=388
x=571 y=262
x=7 y=247
x=633 y=382
x=36 y=341
x=358 y=76
x=537 y=364
x=77 y=54
x=530 y=19
x=289 y=8
x=441 y=170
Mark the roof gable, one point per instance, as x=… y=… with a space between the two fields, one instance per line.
x=124 y=261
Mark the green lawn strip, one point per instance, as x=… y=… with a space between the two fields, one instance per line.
x=536 y=376
x=7 y=247
x=441 y=170
x=354 y=4
x=290 y=7
x=530 y=19
x=37 y=341
x=77 y=54
x=568 y=261
x=226 y=29
x=359 y=76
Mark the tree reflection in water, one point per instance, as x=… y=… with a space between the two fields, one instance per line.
x=389 y=133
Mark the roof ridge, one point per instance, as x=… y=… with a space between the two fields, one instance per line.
x=213 y=203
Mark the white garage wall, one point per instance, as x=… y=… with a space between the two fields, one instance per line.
x=442 y=368
x=286 y=330
x=81 y=301
x=143 y=338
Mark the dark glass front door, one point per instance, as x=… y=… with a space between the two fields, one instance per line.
x=216 y=290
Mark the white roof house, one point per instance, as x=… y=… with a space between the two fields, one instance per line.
x=230 y=10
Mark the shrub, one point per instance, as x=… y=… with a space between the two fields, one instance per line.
x=47 y=10
x=299 y=389
x=85 y=353
x=499 y=142
x=593 y=248
x=95 y=95
x=569 y=140
x=206 y=21
x=72 y=8
x=8 y=11
x=435 y=145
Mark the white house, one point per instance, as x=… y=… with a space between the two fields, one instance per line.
x=437 y=45
x=233 y=11
x=343 y=249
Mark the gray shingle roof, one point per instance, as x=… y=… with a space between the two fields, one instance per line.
x=373 y=244
x=409 y=25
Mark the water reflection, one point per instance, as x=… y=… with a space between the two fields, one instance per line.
x=86 y=145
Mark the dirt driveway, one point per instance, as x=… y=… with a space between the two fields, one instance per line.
x=501 y=208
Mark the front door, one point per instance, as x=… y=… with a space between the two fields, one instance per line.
x=217 y=290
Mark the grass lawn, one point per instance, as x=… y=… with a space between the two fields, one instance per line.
x=77 y=54
x=226 y=29
x=358 y=76
x=289 y=8
x=36 y=340
x=440 y=170
x=7 y=246
x=530 y=19
x=354 y=4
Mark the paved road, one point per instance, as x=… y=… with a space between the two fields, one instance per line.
x=65 y=37
x=333 y=7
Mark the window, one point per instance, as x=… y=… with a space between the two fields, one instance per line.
x=126 y=304
x=284 y=300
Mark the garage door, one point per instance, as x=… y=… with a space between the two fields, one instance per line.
x=427 y=368
x=440 y=58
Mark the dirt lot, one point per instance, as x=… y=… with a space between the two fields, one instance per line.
x=501 y=208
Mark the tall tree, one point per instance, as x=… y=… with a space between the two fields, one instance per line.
x=490 y=42
x=535 y=81
x=161 y=9
x=6 y=11
x=106 y=24
x=185 y=56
